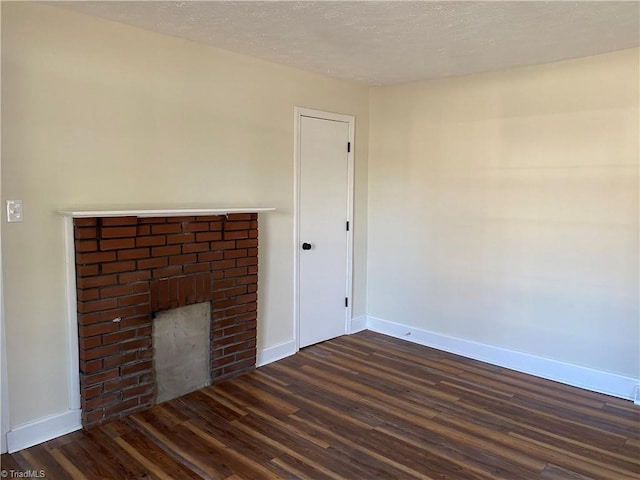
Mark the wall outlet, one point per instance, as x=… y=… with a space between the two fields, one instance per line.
x=14 y=211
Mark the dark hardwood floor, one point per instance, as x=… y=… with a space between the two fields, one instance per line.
x=360 y=407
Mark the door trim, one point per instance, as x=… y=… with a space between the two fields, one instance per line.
x=300 y=112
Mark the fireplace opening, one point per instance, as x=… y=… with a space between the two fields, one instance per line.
x=130 y=269
x=181 y=350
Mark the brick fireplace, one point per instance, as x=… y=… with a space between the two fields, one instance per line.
x=128 y=268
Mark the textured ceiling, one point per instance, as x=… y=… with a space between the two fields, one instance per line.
x=386 y=42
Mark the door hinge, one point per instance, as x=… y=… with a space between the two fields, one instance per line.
x=346 y=301
x=348 y=147
x=347 y=226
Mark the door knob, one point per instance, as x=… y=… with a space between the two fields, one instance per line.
x=306 y=246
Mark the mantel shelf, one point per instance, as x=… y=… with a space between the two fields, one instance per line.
x=169 y=212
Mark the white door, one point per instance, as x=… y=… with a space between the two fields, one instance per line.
x=324 y=206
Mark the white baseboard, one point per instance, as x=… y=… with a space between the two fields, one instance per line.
x=47 y=428
x=358 y=324
x=575 y=375
x=277 y=352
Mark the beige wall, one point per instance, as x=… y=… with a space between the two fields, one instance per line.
x=100 y=114
x=503 y=209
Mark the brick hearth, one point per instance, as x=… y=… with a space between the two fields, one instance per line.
x=128 y=268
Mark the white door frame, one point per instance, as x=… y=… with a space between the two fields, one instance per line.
x=300 y=112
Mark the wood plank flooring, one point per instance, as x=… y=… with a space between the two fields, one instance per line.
x=360 y=407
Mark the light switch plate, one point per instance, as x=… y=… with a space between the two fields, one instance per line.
x=14 y=211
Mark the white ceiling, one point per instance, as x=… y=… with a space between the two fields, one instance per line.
x=386 y=42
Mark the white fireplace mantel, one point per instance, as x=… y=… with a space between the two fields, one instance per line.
x=168 y=212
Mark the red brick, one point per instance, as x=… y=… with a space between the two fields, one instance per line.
x=152 y=241
x=117 y=267
x=230 y=312
x=117 y=243
x=195 y=247
x=92 y=418
x=124 y=290
x=85 y=295
x=137 y=276
x=166 y=250
x=243 y=262
x=119 y=384
x=215 y=226
x=97 y=329
x=87 y=270
x=142 y=230
x=182 y=259
x=197 y=268
x=100 y=377
x=248 y=279
x=149 y=220
x=86 y=246
x=224 y=245
x=240 y=216
x=136 y=344
x=85 y=222
x=167 y=271
x=165 y=228
x=228 y=226
x=117 y=337
x=225 y=303
x=222 y=264
x=250 y=297
x=90 y=342
x=118 y=360
x=253 y=234
x=180 y=238
x=137 y=391
x=237 y=253
x=118 y=232
x=100 y=401
x=99 y=352
x=91 y=392
x=236 y=235
x=230 y=292
x=90 y=366
x=153 y=262
x=133 y=254
x=98 y=281
x=89 y=319
x=133 y=299
x=217 y=274
x=85 y=233
x=208 y=236
x=88 y=307
x=210 y=218
x=181 y=219
x=195 y=227
x=252 y=242
x=135 y=321
x=118 y=221
x=118 y=410
x=209 y=256
x=238 y=347
x=235 y=272
x=136 y=367
x=96 y=257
